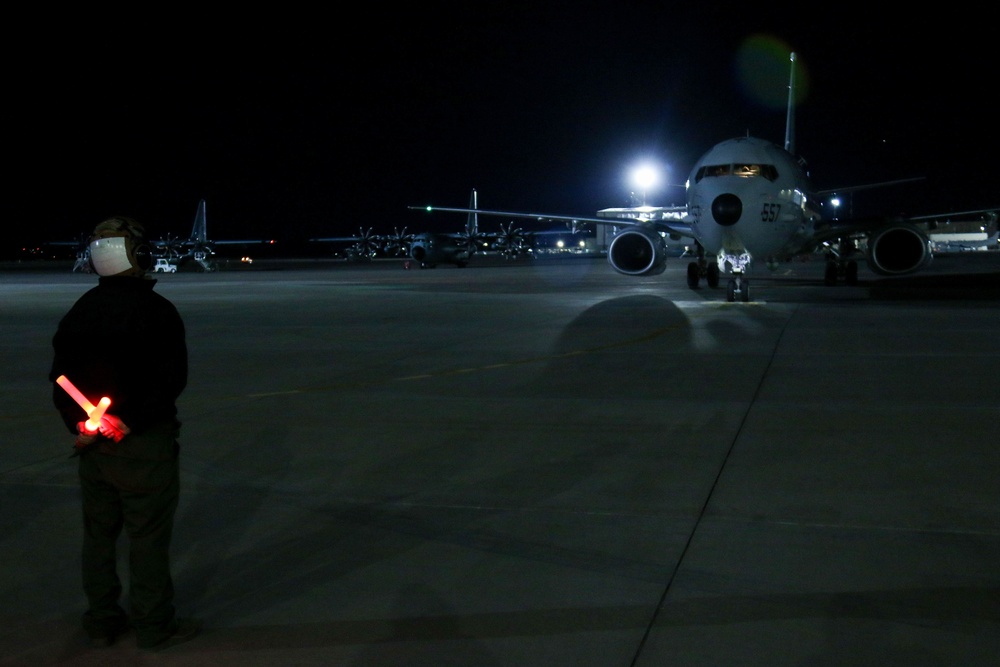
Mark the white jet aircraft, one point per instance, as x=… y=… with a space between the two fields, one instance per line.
x=749 y=199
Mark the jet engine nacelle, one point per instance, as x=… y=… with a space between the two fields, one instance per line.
x=638 y=251
x=898 y=249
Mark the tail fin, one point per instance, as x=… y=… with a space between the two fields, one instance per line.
x=198 y=231
x=790 y=118
x=472 y=224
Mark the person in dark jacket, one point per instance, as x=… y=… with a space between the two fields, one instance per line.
x=125 y=341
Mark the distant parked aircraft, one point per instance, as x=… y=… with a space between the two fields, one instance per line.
x=197 y=246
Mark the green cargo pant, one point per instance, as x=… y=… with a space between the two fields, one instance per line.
x=132 y=484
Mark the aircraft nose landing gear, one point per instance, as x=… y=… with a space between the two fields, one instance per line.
x=738 y=289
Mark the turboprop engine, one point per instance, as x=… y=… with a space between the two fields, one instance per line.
x=898 y=249
x=637 y=251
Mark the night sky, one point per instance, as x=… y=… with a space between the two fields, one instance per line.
x=294 y=125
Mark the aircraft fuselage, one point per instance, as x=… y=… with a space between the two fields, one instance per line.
x=433 y=249
x=749 y=199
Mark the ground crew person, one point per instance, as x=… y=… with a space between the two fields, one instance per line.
x=125 y=341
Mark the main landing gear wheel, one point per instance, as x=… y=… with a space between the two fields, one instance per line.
x=712 y=275
x=693 y=275
x=851 y=273
x=830 y=274
x=694 y=272
x=834 y=270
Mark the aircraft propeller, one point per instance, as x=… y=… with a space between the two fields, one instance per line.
x=171 y=246
x=511 y=242
x=367 y=245
x=398 y=243
x=471 y=241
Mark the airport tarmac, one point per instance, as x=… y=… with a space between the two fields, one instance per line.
x=543 y=464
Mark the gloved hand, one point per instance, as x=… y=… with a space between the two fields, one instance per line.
x=85 y=437
x=113 y=428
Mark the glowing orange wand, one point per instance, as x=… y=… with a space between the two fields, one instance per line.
x=94 y=412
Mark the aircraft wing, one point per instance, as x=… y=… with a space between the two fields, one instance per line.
x=828 y=231
x=176 y=248
x=669 y=220
x=866 y=186
x=242 y=241
x=953 y=215
x=185 y=244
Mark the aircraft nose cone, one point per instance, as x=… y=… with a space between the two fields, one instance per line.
x=727 y=209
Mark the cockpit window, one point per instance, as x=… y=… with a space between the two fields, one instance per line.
x=713 y=170
x=768 y=171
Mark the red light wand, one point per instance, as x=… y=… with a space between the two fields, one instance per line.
x=94 y=413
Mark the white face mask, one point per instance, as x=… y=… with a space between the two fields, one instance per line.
x=110 y=257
